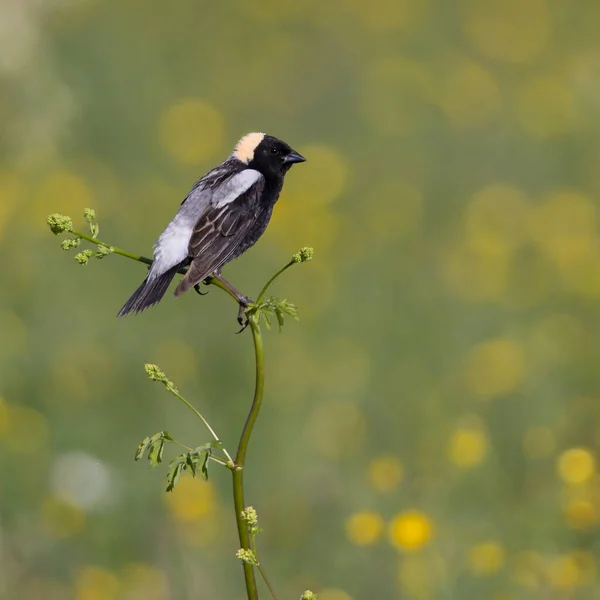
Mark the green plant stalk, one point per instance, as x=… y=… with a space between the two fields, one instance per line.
x=266 y=286
x=206 y=423
x=240 y=459
x=89 y=238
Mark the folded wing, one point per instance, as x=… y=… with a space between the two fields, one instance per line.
x=219 y=232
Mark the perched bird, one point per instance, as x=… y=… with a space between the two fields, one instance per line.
x=225 y=213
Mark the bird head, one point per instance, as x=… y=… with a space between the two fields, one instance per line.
x=270 y=156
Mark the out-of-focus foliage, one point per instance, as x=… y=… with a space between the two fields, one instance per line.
x=430 y=427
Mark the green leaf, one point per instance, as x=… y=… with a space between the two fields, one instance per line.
x=204 y=469
x=156 y=452
x=142 y=448
x=176 y=467
x=191 y=461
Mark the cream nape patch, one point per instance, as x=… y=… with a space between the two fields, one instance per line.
x=244 y=149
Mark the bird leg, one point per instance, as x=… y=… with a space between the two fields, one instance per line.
x=244 y=301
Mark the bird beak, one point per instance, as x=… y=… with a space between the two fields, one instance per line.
x=293 y=157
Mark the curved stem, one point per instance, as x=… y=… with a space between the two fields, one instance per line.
x=206 y=423
x=266 y=286
x=240 y=459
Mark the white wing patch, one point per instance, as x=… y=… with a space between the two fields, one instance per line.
x=172 y=245
x=235 y=187
x=244 y=149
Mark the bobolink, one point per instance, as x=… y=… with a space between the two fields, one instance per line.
x=225 y=213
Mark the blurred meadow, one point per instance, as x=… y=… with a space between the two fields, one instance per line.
x=431 y=425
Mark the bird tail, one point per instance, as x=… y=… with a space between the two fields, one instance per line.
x=149 y=293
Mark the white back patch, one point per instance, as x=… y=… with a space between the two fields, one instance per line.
x=244 y=149
x=234 y=187
x=172 y=246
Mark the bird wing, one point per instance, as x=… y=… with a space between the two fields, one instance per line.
x=220 y=230
x=217 y=188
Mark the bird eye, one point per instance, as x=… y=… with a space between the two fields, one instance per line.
x=274 y=151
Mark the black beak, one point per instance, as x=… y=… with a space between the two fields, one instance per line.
x=293 y=157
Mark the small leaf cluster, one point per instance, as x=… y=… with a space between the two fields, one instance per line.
x=190 y=461
x=63 y=224
x=154 y=447
x=272 y=307
x=303 y=255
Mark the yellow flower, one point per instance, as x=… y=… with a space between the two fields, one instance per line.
x=563 y=572
x=191 y=500
x=61 y=519
x=576 y=465
x=410 y=530
x=581 y=514
x=485 y=558
x=467 y=447
x=364 y=528
x=385 y=473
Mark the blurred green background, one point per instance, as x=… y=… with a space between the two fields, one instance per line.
x=430 y=427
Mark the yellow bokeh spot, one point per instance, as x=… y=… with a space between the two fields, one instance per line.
x=192 y=499
x=495 y=368
x=576 y=465
x=178 y=360
x=563 y=572
x=364 y=528
x=385 y=473
x=143 y=582
x=337 y=429
x=96 y=583
x=410 y=530
x=468 y=446
x=61 y=519
x=539 y=442
x=485 y=558
x=399 y=210
x=61 y=191
x=546 y=108
x=396 y=95
x=474 y=277
x=333 y=594
x=581 y=514
x=469 y=95
x=513 y=31
x=494 y=220
x=564 y=227
x=28 y=432
x=192 y=131
x=586 y=564
x=322 y=183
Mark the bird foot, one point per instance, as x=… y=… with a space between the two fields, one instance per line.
x=242 y=317
x=197 y=288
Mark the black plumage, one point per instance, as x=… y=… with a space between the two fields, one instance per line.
x=225 y=213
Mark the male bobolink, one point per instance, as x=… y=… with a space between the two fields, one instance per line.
x=225 y=213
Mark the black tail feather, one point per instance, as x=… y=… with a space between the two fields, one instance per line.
x=149 y=293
